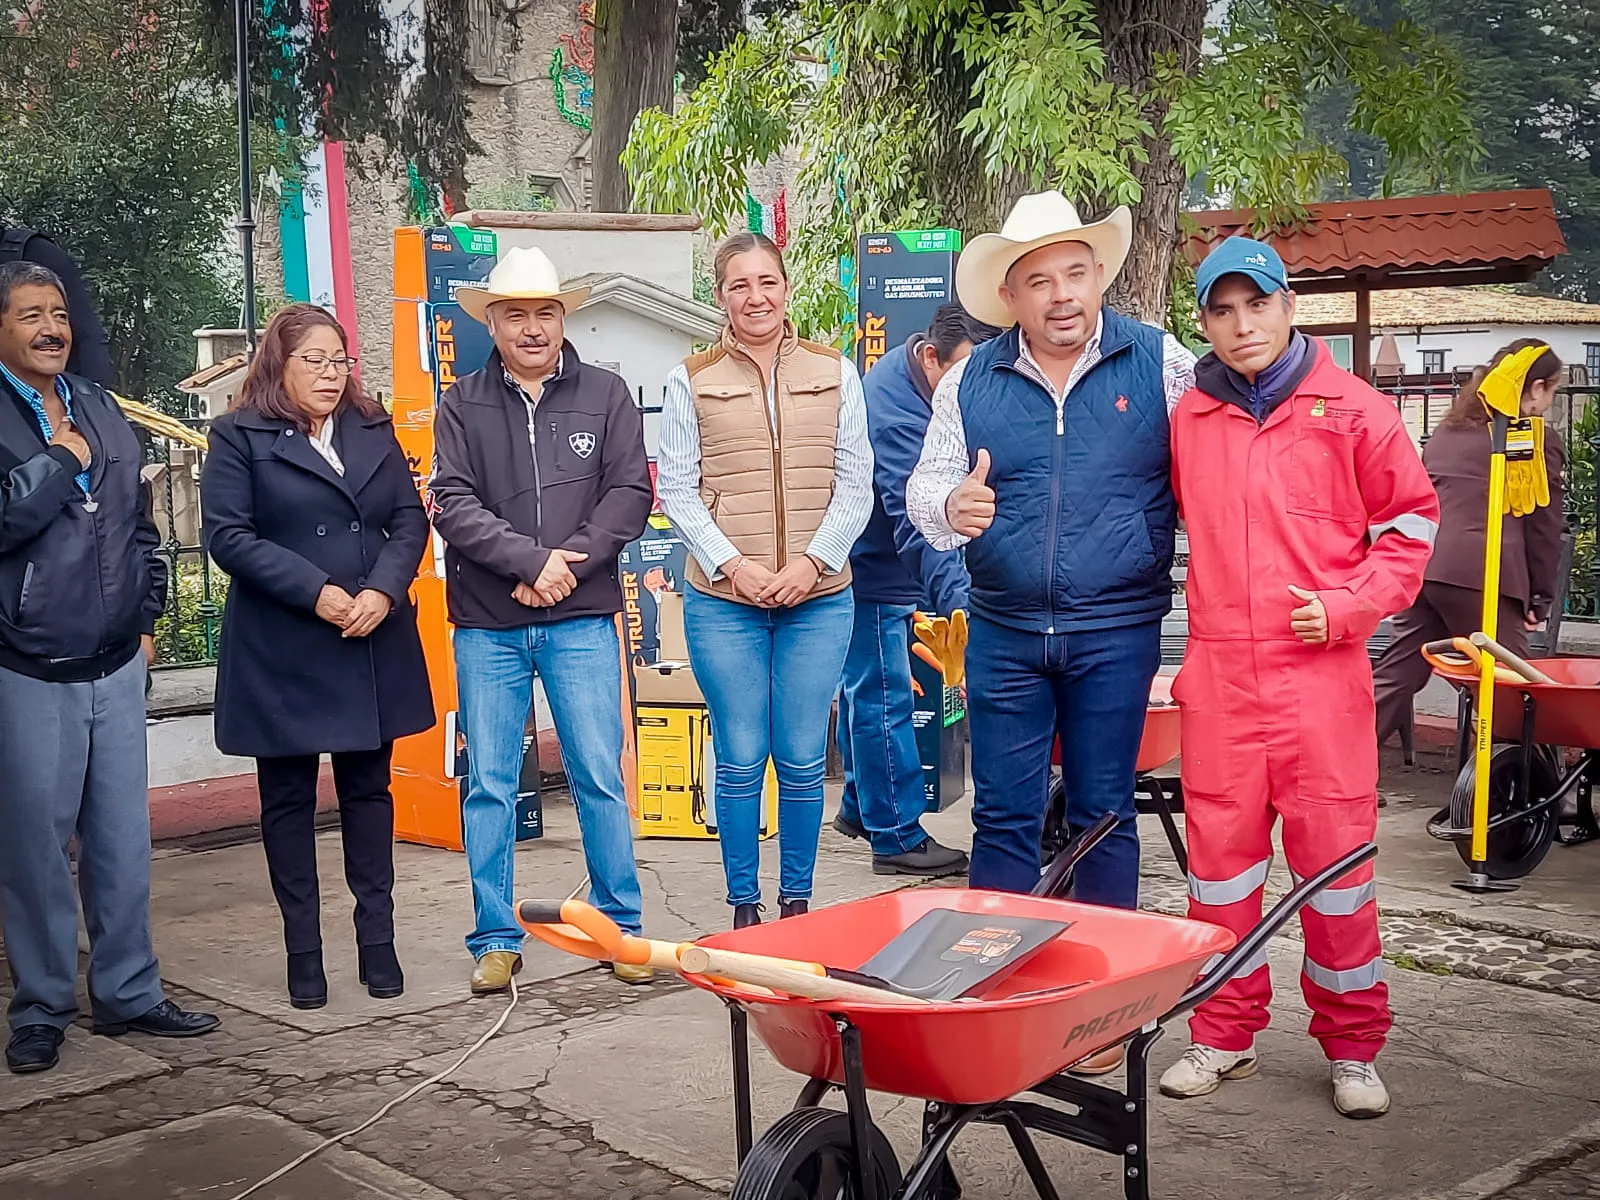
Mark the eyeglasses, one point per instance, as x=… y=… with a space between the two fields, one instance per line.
x=319 y=363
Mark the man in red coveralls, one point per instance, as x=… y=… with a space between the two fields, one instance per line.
x=1310 y=518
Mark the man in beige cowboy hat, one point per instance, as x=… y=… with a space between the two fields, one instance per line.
x=1047 y=456
x=539 y=479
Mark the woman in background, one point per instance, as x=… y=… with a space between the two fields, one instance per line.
x=1451 y=601
x=310 y=508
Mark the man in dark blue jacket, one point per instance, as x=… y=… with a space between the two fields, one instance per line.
x=896 y=572
x=1047 y=456
x=81 y=585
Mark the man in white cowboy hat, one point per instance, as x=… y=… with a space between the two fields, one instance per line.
x=1047 y=456
x=539 y=479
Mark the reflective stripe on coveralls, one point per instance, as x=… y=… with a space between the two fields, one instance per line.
x=1328 y=494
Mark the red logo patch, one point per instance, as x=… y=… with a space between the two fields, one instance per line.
x=1122 y=404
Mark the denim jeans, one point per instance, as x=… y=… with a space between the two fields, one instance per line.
x=1091 y=688
x=578 y=661
x=768 y=676
x=883 y=790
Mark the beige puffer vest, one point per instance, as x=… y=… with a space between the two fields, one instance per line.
x=767 y=490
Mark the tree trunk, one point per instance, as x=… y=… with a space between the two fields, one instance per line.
x=1133 y=33
x=635 y=58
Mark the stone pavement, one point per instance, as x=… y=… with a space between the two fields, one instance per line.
x=594 y=1089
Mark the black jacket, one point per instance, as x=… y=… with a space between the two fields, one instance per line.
x=501 y=511
x=282 y=523
x=77 y=587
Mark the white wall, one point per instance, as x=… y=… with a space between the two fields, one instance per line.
x=1471 y=346
x=642 y=351
x=664 y=257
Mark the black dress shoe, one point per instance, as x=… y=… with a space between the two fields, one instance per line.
x=164 y=1020
x=793 y=908
x=380 y=971
x=33 y=1048
x=308 y=986
x=929 y=859
x=746 y=914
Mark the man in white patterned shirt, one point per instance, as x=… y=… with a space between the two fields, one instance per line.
x=1047 y=457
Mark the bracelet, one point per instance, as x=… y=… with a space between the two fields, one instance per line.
x=822 y=567
x=733 y=575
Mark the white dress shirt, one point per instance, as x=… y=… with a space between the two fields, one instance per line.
x=322 y=442
x=943 y=464
x=678 y=476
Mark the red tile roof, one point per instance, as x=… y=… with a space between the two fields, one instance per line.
x=1492 y=235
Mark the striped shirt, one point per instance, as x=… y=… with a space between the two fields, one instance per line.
x=678 y=476
x=36 y=402
x=944 y=462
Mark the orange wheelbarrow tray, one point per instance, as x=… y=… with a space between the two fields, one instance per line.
x=1111 y=976
x=1528 y=773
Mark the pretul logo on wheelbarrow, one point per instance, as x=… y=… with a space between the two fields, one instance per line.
x=1111 y=1020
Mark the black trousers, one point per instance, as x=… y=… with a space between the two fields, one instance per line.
x=288 y=789
x=1441 y=611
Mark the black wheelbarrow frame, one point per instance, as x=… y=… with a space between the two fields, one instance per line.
x=1111 y=1120
x=1538 y=785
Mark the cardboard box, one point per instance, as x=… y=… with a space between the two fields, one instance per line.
x=940 y=717
x=649 y=566
x=677 y=755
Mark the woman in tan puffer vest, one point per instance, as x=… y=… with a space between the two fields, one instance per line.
x=765 y=471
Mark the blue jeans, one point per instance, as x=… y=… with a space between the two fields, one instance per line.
x=768 y=676
x=579 y=662
x=883 y=790
x=1023 y=689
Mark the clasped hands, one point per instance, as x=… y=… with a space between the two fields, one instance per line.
x=356 y=616
x=772 y=589
x=555 y=582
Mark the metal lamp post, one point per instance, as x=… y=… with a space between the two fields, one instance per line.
x=246 y=224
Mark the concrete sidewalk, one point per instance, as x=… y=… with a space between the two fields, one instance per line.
x=595 y=1089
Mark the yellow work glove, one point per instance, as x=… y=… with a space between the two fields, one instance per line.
x=1527 y=483
x=946 y=639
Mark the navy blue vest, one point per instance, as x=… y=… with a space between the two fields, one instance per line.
x=1084 y=517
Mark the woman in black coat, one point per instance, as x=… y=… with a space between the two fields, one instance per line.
x=309 y=506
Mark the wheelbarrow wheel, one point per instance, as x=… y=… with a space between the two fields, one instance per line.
x=806 y=1156
x=1519 y=846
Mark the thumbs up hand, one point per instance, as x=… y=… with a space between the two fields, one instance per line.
x=1310 y=620
x=970 y=508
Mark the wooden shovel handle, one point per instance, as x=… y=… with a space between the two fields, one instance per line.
x=780 y=976
x=1521 y=666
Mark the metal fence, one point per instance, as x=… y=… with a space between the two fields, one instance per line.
x=1424 y=400
x=186 y=633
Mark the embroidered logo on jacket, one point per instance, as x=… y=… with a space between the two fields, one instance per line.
x=1122 y=404
x=582 y=444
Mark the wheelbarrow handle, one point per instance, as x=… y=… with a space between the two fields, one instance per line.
x=1058 y=875
x=1521 y=666
x=1210 y=983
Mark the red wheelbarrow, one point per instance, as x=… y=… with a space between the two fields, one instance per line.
x=1110 y=976
x=1163 y=797
x=1534 y=718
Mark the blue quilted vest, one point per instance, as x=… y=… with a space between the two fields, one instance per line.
x=1084 y=514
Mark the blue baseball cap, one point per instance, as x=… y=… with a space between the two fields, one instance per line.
x=1239 y=255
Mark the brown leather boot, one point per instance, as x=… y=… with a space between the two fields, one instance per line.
x=494 y=971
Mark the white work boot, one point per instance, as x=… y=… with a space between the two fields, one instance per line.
x=1357 y=1090
x=1202 y=1069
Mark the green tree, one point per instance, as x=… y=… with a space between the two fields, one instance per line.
x=943 y=111
x=115 y=143
x=1533 y=91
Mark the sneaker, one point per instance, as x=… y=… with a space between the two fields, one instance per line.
x=1202 y=1069
x=1357 y=1091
